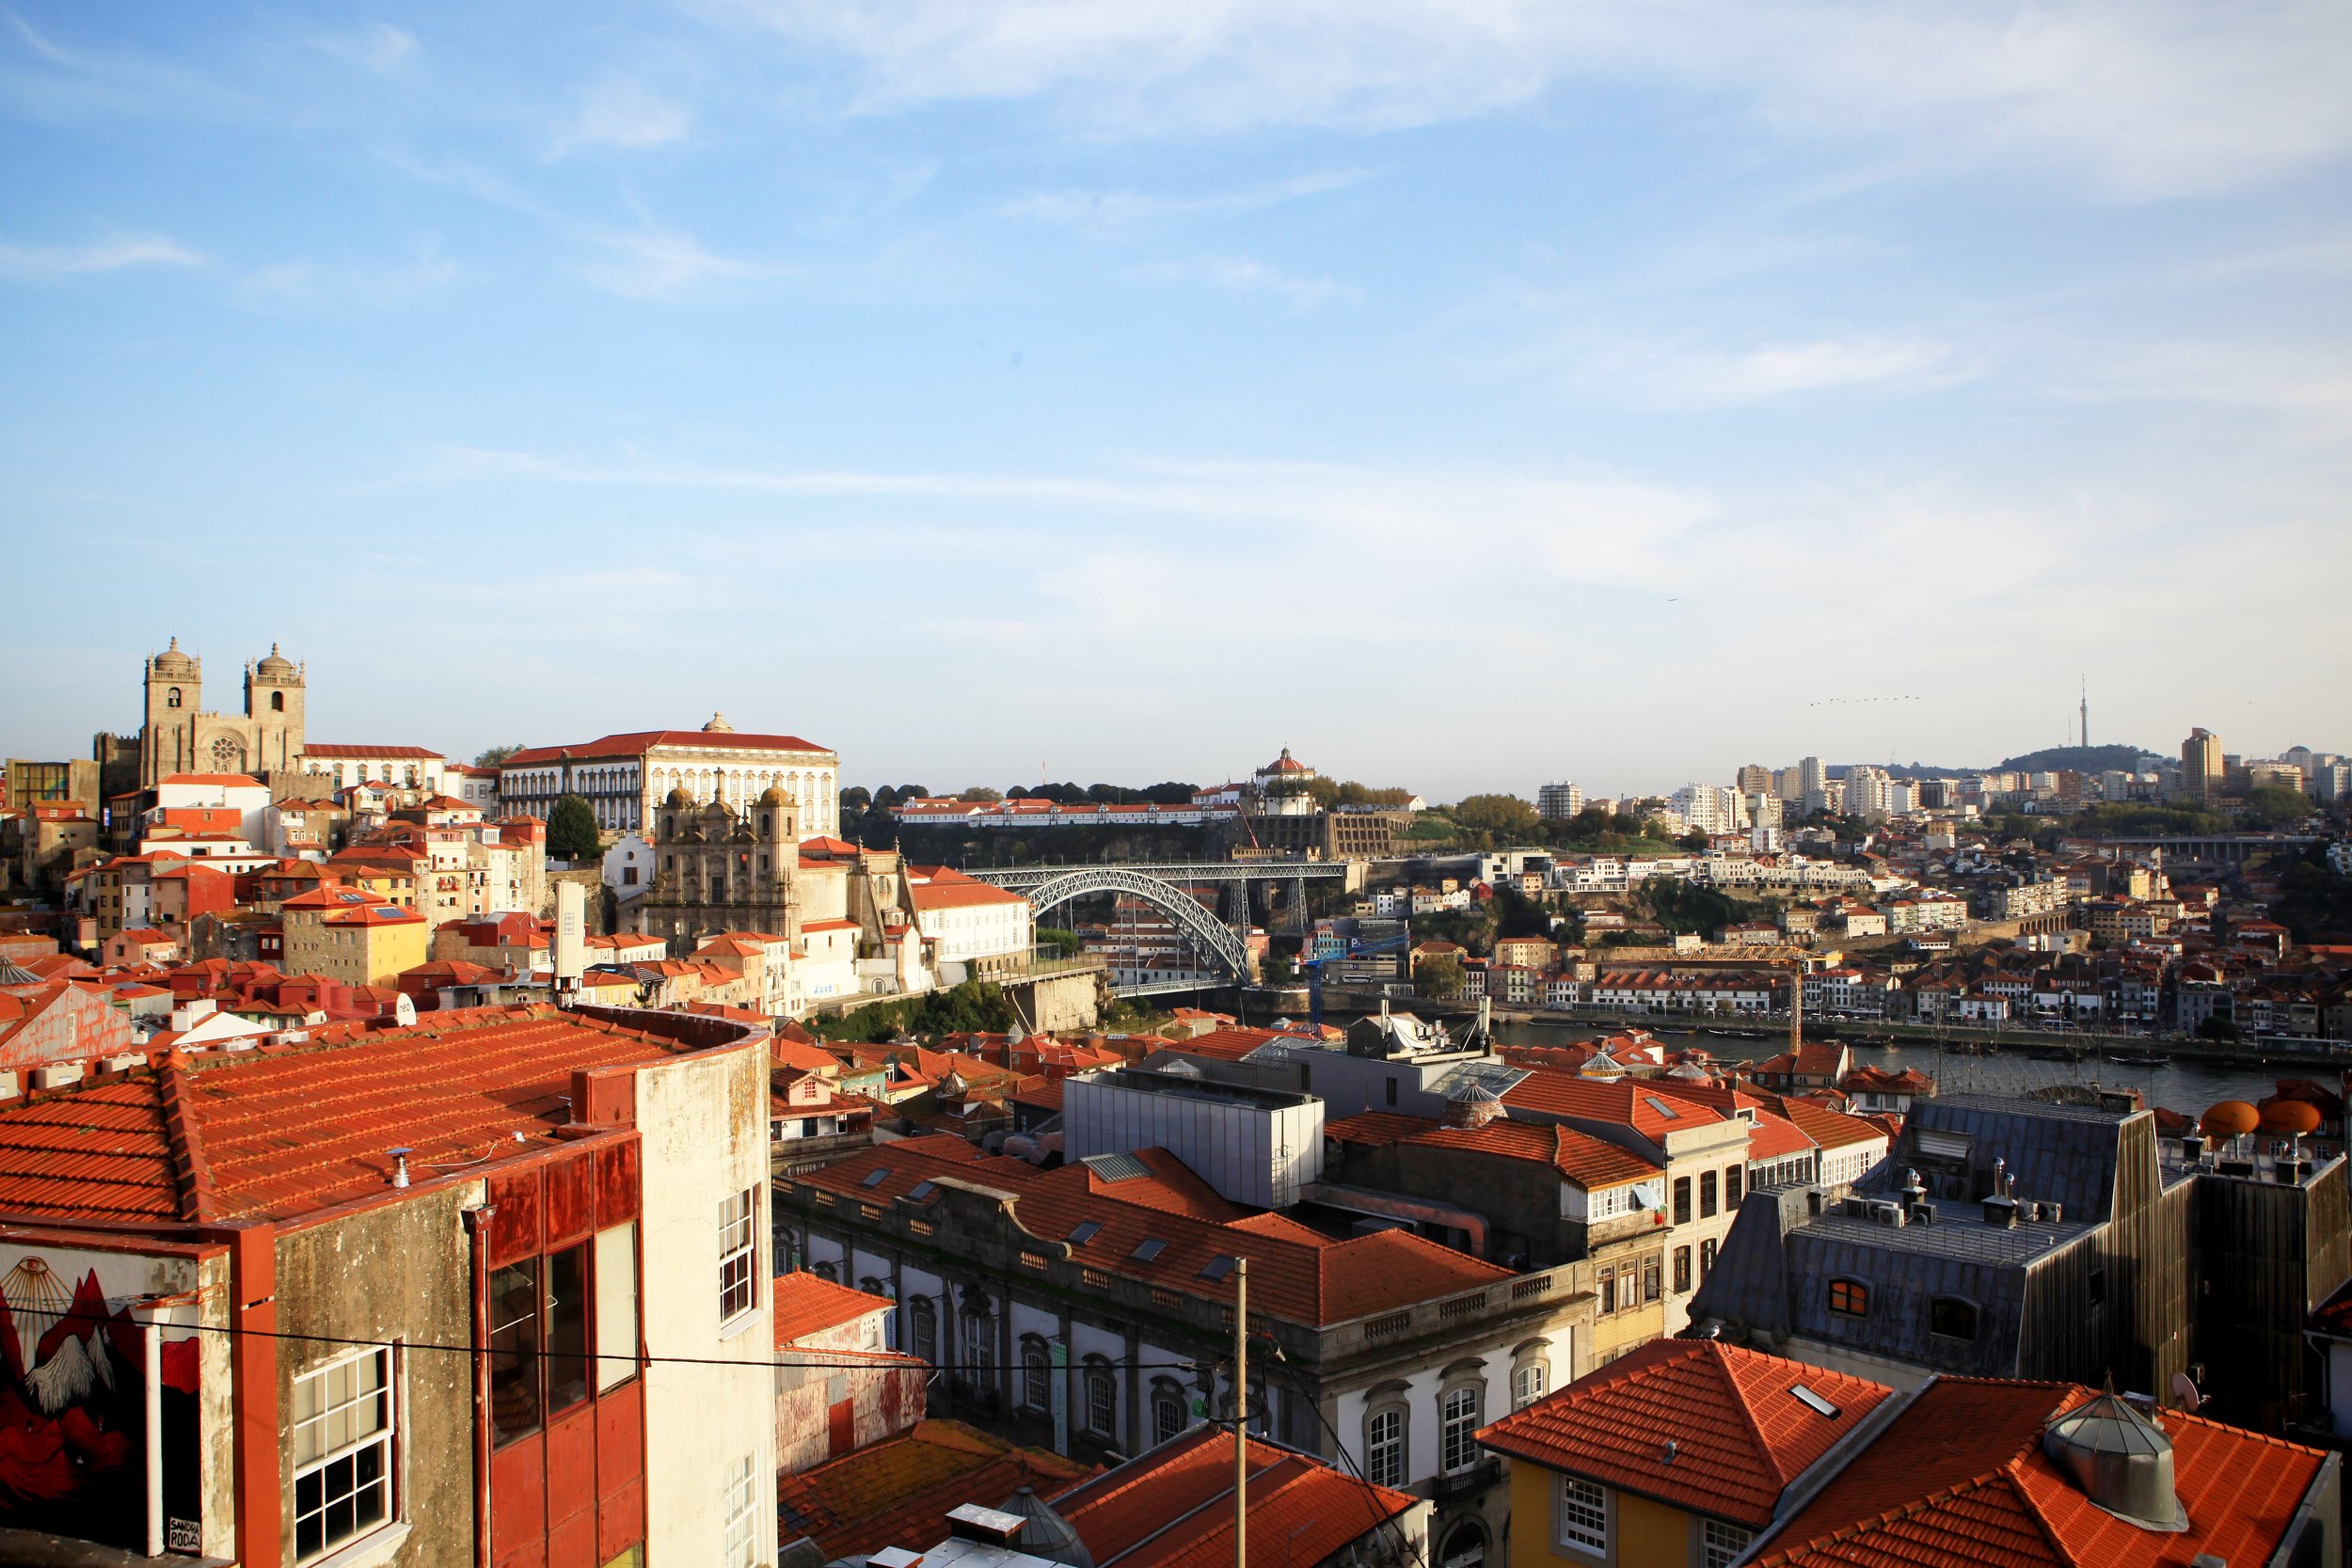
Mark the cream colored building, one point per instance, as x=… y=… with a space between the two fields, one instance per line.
x=176 y=735
x=625 y=778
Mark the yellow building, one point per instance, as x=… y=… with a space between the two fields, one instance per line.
x=343 y=934
x=1675 y=1455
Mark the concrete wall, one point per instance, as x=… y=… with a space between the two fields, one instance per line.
x=704 y=1121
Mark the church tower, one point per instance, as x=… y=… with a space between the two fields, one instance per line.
x=174 y=696
x=273 y=688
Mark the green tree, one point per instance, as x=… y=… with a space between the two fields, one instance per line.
x=1498 y=816
x=2275 y=806
x=981 y=795
x=492 y=757
x=1440 y=977
x=2216 y=1028
x=572 y=831
x=1066 y=945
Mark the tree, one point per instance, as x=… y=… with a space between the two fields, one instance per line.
x=2216 y=1028
x=981 y=795
x=2276 y=806
x=492 y=757
x=1502 y=817
x=1066 y=945
x=572 y=831
x=1440 y=977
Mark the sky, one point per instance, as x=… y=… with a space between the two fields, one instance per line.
x=1464 y=393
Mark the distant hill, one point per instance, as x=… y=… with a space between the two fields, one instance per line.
x=2050 y=759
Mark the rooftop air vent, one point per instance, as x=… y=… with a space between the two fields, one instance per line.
x=2119 y=1459
x=2000 y=1212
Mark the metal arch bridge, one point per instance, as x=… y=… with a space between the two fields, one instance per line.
x=1155 y=882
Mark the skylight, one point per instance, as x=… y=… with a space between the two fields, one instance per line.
x=1217 y=1267
x=876 y=1176
x=1662 y=1107
x=1146 y=1249
x=1084 y=1233
x=1814 y=1401
x=921 y=1190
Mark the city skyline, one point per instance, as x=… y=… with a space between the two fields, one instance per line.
x=1547 y=375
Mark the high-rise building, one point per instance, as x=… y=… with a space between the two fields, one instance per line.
x=2202 y=767
x=1866 y=791
x=1789 y=783
x=1711 y=809
x=1755 y=778
x=1557 y=803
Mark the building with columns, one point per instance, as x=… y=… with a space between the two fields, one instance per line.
x=625 y=778
x=176 y=735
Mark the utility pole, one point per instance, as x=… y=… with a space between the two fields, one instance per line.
x=1240 y=1412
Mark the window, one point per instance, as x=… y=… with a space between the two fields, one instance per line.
x=1649 y=1280
x=1384 y=1448
x=1850 y=1297
x=278 y=702
x=925 y=1317
x=1583 y=1516
x=1952 y=1318
x=1168 y=1413
x=616 y=1304
x=1457 y=1428
x=1392 y=1091
x=1527 y=1385
x=1682 y=1200
x=1608 y=1291
x=2098 y=1287
x=739 y=1539
x=976 y=1360
x=1102 y=1402
x=343 y=1451
x=1707 y=1260
x=1036 y=1378
x=1721 y=1544
x=1707 y=1194
x=738 y=1278
x=1682 y=1271
x=567 y=1328
x=171 y=698
x=514 y=1350
x=1731 y=1186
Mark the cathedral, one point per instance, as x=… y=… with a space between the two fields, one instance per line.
x=176 y=735
x=721 y=870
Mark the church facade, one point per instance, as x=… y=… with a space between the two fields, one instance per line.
x=178 y=736
x=717 y=868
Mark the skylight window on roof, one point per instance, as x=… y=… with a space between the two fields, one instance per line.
x=876 y=1176
x=1084 y=1231
x=1146 y=1249
x=1814 y=1401
x=1217 y=1267
x=1662 y=1107
x=921 y=1190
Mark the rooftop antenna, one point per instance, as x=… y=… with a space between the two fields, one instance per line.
x=2085 y=680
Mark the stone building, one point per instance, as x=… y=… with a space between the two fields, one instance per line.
x=624 y=778
x=715 y=868
x=176 y=735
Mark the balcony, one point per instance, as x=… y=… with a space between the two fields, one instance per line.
x=1470 y=1482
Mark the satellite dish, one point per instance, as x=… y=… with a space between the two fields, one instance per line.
x=2185 y=1393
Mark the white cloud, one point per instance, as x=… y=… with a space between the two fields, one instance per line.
x=651 y=262
x=1686 y=379
x=2146 y=97
x=1107 y=214
x=623 y=113
x=38 y=262
x=1246 y=275
x=378 y=47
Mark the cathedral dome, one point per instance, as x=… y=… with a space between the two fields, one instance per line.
x=718 y=725
x=276 y=667
x=678 y=797
x=172 y=661
x=774 y=795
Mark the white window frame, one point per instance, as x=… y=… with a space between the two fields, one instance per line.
x=1102 y=1396
x=1720 y=1543
x=739 y=1541
x=1458 y=1441
x=385 y=1437
x=1582 y=1517
x=1529 y=1383
x=1385 y=1458
x=738 y=1255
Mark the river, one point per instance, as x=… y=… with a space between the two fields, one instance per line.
x=2186 y=1086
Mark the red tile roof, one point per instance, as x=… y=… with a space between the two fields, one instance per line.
x=636 y=743
x=1741 y=1434
x=807 y=1304
x=1318 y=1281
x=1959 y=1478
x=1161 y=1511
x=319 y=749
x=1588 y=1161
x=897 y=1491
x=284 y=1134
x=1631 y=1102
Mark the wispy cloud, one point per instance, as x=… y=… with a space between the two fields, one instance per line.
x=1246 y=275
x=652 y=263
x=379 y=46
x=43 y=263
x=306 y=282
x=1110 y=213
x=1698 y=378
x=622 y=112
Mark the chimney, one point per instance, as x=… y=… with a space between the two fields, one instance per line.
x=992 y=1526
x=400 y=1165
x=2000 y=1212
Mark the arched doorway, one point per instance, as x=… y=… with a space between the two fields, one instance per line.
x=1465 y=1546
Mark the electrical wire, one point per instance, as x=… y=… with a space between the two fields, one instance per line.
x=1348 y=1461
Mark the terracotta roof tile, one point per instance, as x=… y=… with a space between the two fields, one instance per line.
x=897 y=1491
x=805 y=1304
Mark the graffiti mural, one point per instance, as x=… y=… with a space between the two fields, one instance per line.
x=73 y=1401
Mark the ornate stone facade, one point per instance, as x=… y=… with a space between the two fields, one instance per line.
x=720 y=869
x=176 y=735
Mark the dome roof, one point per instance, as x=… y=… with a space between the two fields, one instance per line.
x=677 y=796
x=1046 y=1533
x=774 y=795
x=276 y=666
x=718 y=725
x=172 y=661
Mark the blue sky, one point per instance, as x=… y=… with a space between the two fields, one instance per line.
x=1462 y=394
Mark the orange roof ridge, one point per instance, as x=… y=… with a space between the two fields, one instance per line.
x=199 y=1200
